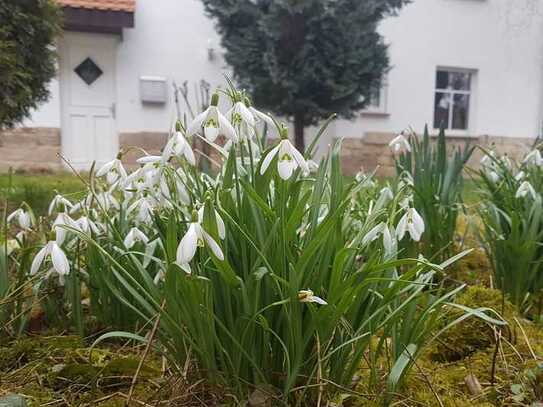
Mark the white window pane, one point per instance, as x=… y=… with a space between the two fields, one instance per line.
x=442 y=103
x=460 y=112
x=453 y=80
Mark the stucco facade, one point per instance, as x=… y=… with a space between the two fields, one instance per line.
x=498 y=42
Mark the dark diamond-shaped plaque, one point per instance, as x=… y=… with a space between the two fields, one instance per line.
x=88 y=71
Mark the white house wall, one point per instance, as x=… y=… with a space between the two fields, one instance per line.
x=501 y=40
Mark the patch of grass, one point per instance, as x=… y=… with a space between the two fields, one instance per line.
x=37 y=189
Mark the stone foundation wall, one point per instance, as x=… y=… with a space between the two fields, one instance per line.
x=30 y=149
x=373 y=152
x=151 y=142
x=38 y=149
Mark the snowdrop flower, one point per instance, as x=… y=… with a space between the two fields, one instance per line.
x=533 y=157
x=308 y=296
x=213 y=122
x=520 y=175
x=178 y=146
x=220 y=223
x=196 y=237
x=63 y=219
x=239 y=115
x=388 y=240
x=487 y=160
x=85 y=225
x=399 y=143
x=23 y=218
x=374 y=233
x=289 y=159
x=106 y=200
x=144 y=210
x=493 y=176
x=58 y=259
x=412 y=223
x=149 y=159
x=135 y=235
x=113 y=170
x=526 y=189
x=385 y=196
x=58 y=202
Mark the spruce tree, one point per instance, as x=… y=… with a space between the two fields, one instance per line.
x=305 y=59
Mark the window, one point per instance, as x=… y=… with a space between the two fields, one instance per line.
x=452 y=99
x=378 y=100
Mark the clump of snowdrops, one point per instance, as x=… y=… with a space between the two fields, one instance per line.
x=435 y=172
x=512 y=214
x=270 y=272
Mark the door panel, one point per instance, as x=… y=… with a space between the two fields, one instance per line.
x=87 y=81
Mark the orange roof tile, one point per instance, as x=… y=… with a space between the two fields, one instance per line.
x=109 y=5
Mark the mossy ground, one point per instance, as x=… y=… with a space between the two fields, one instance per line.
x=60 y=370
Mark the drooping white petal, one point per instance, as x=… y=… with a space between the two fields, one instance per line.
x=215 y=248
x=285 y=168
x=149 y=159
x=268 y=159
x=401 y=228
x=187 y=247
x=60 y=261
x=38 y=260
x=373 y=233
x=299 y=158
x=104 y=169
x=196 y=125
x=226 y=128
x=220 y=226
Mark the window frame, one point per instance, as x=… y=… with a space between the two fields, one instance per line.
x=452 y=92
x=382 y=108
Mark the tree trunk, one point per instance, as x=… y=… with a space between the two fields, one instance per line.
x=299 y=140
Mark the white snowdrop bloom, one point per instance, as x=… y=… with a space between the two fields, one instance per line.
x=220 y=223
x=534 y=158
x=143 y=208
x=385 y=196
x=493 y=176
x=241 y=117
x=488 y=160
x=289 y=159
x=59 y=260
x=180 y=189
x=63 y=219
x=399 y=143
x=113 y=170
x=308 y=296
x=84 y=203
x=526 y=189
x=412 y=223
x=85 y=225
x=134 y=236
x=373 y=233
x=520 y=175
x=24 y=219
x=196 y=237
x=389 y=242
x=213 y=122
x=106 y=200
x=59 y=203
x=178 y=146
x=149 y=159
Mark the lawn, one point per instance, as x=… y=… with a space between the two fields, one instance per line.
x=37 y=190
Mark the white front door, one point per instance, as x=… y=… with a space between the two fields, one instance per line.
x=87 y=82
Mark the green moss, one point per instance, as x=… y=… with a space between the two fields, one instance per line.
x=472 y=334
x=74 y=373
